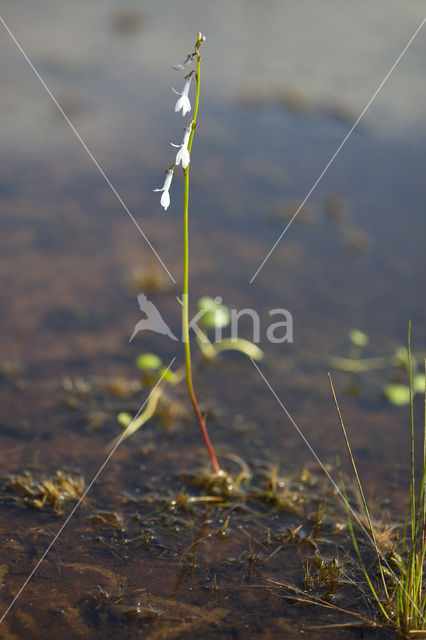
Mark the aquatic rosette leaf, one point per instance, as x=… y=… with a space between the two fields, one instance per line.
x=359 y=338
x=419 y=383
x=148 y=362
x=215 y=314
x=168 y=375
x=401 y=354
x=124 y=418
x=398 y=394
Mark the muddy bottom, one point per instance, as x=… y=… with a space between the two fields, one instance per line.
x=158 y=549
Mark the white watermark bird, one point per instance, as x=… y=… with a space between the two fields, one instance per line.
x=153 y=320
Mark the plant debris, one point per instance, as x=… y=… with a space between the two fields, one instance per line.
x=50 y=492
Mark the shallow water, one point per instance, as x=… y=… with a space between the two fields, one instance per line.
x=70 y=261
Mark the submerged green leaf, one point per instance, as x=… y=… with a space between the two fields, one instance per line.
x=419 y=383
x=215 y=313
x=167 y=374
x=240 y=344
x=401 y=354
x=397 y=394
x=124 y=418
x=358 y=338
x=148 y=362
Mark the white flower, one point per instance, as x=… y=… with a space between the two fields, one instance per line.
x=165 y=196
x=183 y=102
x=183 y=153
x=189 y=58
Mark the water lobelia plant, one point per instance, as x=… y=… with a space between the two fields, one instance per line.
x=211 y=313
x=183 y=157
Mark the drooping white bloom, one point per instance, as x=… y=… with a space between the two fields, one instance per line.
x=183 y=153
x=189 y=58
x=165 y=196
x=183 y=102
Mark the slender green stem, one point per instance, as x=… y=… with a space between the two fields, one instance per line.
x=412 y=484
x=358 y=552
x=423 y=498
x=185 y=297
x=360 y=489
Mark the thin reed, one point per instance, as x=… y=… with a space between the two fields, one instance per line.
x=397 y=588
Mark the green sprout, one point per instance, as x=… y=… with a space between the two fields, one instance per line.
x=215 y=314
x=358 y=338
x=397 y=394
x=148 y=362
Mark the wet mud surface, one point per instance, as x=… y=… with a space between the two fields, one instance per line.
x=151 y=552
